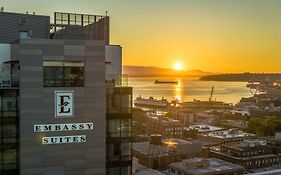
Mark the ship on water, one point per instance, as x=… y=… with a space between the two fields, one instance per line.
x=151 y=102
x=165 y=82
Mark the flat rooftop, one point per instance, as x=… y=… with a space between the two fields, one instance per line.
x=215 y=166
x=229 y=134
x=182 y=146
x=237 y=146
x=205 y=128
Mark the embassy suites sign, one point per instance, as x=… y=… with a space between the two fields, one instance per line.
x=64 y=108
x=63 y=127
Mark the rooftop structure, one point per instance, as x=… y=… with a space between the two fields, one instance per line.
x=226 y=136
x=249 y=153
x=169 y=150
x=205 y=128
x=80 y=26
x=203 y=166
x=66 y=26
x=231 y=133
x=167 y=127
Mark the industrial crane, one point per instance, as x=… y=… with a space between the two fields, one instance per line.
x=211 y=94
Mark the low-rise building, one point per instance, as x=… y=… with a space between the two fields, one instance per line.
x=203 y=166
x=167 y=127
x=159 y=153
x=205 y=128
x=250 y=153
x=226 y=136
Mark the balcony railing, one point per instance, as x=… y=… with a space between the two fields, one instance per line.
x=117 y=80
x=8 y=80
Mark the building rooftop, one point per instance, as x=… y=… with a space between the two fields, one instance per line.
x=71 y=26
x=231 y=133
x=247 y=145
x=205 y=128
x=205 y=166
x=181 y=146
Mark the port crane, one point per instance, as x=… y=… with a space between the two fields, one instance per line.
x=211 y=94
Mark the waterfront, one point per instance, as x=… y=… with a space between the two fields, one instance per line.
x=188 y=89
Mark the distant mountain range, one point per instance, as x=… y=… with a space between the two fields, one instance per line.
x=243 y=77
x=142 y=71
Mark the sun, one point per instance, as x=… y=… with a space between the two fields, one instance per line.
x=178 y=66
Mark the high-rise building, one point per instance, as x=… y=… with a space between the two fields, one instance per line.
x=65 y=107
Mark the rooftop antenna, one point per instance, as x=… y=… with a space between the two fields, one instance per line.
x=105 y=13
x=2 y=9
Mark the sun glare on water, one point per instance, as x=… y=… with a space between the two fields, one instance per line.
x=178 y=66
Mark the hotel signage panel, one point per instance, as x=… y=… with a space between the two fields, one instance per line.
x=64 y=127
x=64 y=108
x=64 y=101
x=63 y=139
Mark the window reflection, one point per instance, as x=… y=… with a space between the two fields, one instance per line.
x=9 y=131
x=63 y=73
x=120 y=128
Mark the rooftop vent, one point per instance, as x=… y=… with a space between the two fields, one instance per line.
x=156 y=139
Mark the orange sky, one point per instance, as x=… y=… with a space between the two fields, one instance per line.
x=211 y=35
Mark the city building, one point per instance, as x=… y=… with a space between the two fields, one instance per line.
x=250 y=154
x=205 y=128
x=158 y=153
x=139 y=169
x=225 y=136
x=203 y=166
x=165 y=126
x=65 y=107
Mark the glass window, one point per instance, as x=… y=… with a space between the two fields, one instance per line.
x=114 y=152
x=127 y=170
x=114 y=128
x=126 y=128
x=63 y=73
x=114 y=171
x=126 y=103
x=126 y=151
x=53 y=76
x=9 y=159
x=115 y=103
x=9 y=106
x=9 y=130
x=9 y=133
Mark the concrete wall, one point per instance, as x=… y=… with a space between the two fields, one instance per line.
x=11 y=24
x=37 y=107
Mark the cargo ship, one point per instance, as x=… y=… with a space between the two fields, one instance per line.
x=165 y=82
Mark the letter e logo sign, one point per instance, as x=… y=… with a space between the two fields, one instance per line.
x=64 y=104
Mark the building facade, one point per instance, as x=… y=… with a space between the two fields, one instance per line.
x=54 y=114
x=251 y=154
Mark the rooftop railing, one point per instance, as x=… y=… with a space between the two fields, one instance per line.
x=8 y=80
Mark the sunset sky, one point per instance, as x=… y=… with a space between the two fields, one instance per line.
x=210 y=35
